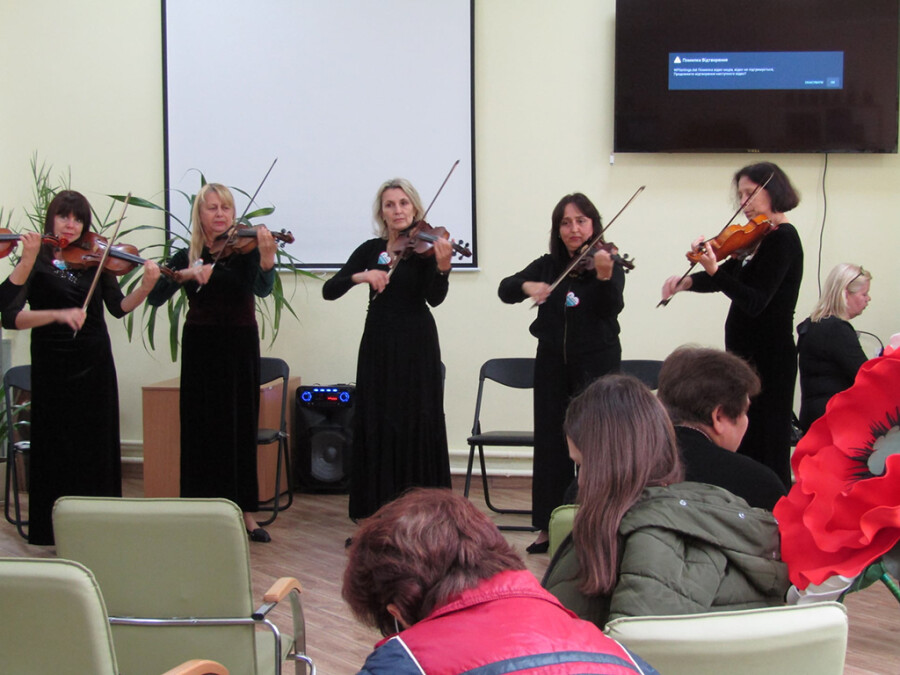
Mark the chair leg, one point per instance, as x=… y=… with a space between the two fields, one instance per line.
x=469 y=471
x=12 y=485
x=282 y=465
x=487 y=494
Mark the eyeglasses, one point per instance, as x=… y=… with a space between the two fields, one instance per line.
x=862 y=272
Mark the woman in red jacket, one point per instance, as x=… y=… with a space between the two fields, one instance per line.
x=436 y=576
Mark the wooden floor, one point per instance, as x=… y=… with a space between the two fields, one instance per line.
x=308 y=543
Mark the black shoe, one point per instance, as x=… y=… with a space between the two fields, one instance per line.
x=538 y=547
x=259 y=535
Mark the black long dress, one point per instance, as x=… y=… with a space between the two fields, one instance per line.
x=399 y=433
x=75 y=448
x=760 y=328
x=219 y=401
x=578 y=341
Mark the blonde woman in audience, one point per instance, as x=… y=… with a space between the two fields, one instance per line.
x=830 y=355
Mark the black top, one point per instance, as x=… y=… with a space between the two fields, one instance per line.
x=399 y=432
x=830 y=356
x=706 y=462
x=763 y=292
x=75 y=447
x=580 y=316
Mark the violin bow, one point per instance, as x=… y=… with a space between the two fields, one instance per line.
x=593 y=242
x=103 y=258
x=424 y=215
x=665 y=301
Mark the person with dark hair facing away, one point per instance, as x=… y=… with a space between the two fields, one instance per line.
x=707 y=393
x=578 y=340
x=762 y=281
x=643 y=542
x=435 y=575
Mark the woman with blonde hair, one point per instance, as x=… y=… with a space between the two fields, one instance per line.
x=829 y=350
x=399 y=433
x=219 y=397
x=643 y=542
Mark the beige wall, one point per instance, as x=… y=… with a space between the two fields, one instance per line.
x=83 y=89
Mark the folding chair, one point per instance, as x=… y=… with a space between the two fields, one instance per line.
x=270 y=370
x=15 y=380
x=517 y=373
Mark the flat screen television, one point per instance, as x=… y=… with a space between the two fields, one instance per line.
x=762 y=76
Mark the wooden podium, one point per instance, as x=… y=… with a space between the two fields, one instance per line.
x=162 y=437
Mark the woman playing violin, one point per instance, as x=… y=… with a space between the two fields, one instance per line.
x=578 y=340
x=762 y=283
x=75 y=401
x=399 y=434
x=219 y=401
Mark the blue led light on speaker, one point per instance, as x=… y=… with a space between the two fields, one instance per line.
x=336 y=395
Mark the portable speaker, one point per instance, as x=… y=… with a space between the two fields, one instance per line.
x=324 y=438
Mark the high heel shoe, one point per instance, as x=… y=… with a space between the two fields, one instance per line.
x=259 y=535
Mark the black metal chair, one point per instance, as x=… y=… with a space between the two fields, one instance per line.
x=16 y=379
x=647 y=371
x=517 y=373
x=271 y=369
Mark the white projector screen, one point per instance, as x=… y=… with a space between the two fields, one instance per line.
x=344 y=93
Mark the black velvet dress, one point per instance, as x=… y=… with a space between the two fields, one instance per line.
x=219 y=403
x=399 y=433
x=578 y=341
x=760 y=328
x=75 y=448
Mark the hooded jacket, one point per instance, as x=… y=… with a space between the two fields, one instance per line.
x=684 y=549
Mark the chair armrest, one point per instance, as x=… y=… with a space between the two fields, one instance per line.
x=198 y=667
x=276 y=593
x=279 y=590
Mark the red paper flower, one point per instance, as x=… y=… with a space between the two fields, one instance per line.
x=843 y=513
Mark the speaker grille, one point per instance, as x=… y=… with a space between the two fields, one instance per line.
x=328 y=448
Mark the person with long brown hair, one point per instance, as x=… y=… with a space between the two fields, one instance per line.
x=643 y=542
x=437 y=578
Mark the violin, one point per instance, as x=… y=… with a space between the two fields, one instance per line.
x=9 y=239
x=586 y=263
x=243 y=239
x=735 y=240
x=419 y=238
x=88 y=250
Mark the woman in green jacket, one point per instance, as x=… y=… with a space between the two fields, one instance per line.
x=644 y=542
